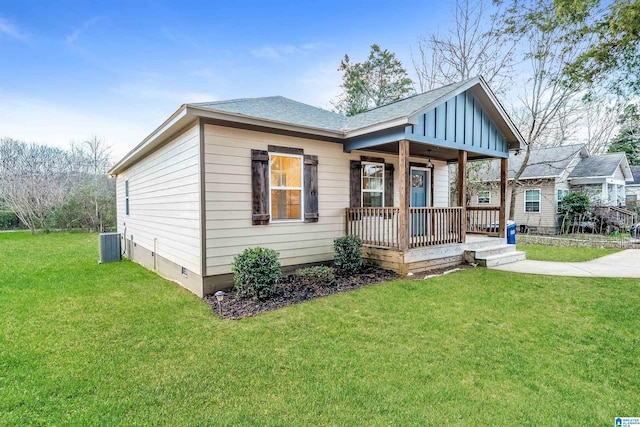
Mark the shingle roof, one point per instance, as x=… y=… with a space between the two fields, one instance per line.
x=635 y=170
x=402 y=108
x=603 y=165
x=280 y=109
x=545 y=162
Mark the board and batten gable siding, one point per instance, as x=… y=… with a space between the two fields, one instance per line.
x=228 y=204
x=460 y=123
x=164 y=201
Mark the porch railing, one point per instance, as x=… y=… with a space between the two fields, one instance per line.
x=427 y=226
x=434 y=226
x=375 y=226
x=483 y=220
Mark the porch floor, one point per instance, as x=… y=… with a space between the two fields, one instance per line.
x=421 y=260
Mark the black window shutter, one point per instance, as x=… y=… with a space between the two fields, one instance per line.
x=388 y=185
x=260 y=186
x=355 y=184
x=310 y=188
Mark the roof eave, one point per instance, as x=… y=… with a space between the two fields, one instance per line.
x=210 y=113
x=177 y=119
x=389 y=124
x=188 y=112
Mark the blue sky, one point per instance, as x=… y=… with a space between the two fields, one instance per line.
x=118 y=69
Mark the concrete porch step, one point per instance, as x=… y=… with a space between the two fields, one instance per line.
x=501 y=259
x=494 y=255
x=471 y=255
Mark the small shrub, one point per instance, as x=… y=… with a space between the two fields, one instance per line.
x=318 y=275
x=348 y=257
x=256 y=272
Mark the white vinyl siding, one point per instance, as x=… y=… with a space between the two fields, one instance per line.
x=440 y=183
x=164 y=203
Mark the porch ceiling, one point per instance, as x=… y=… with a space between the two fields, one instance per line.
x=419 y=149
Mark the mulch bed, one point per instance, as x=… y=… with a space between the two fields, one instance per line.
x=293 y=289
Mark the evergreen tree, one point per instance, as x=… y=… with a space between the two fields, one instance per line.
x=377 y=81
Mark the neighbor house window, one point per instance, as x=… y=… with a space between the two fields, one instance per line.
x=285 y=173
x=561 y=194
x=372 y=185
x=532 y=201
x=484 y=197
x=126 y=197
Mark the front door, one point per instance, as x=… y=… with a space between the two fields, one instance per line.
x=420 y=185
x=419 y=188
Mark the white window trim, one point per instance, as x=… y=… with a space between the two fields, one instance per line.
x=301 y=188
x=565 y=193
x=478 y=197
x=363 y=190
x=539 y=201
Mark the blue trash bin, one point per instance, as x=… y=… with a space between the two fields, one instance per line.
x=511 y=233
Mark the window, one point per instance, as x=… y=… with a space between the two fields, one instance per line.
x=561 y=194
x=126 y=197
x=372 y=185
x=532 y=201
x=484 y=197
x=284 y=185
x=285 y=173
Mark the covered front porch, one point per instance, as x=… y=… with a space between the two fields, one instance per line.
x=409 y=233
x=411 y=239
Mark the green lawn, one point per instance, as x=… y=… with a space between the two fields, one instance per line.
x=564 y=253
x=105 y=345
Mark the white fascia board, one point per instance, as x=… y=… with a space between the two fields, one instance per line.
x=399 y=122
x=209 y=113
x=590 y=180
x=178 y=119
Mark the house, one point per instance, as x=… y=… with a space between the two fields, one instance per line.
x=216 y=178
x=551 y=173
x=603 y=178
x=633 y=189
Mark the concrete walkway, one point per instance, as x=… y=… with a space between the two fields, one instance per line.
x=621 y=264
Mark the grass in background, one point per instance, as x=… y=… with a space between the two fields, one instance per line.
x=114 y=344
x=564 y=253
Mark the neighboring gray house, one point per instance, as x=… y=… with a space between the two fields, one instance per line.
x=552 y=173
x=216 y=178
x=603 y=177
x=633 y=188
